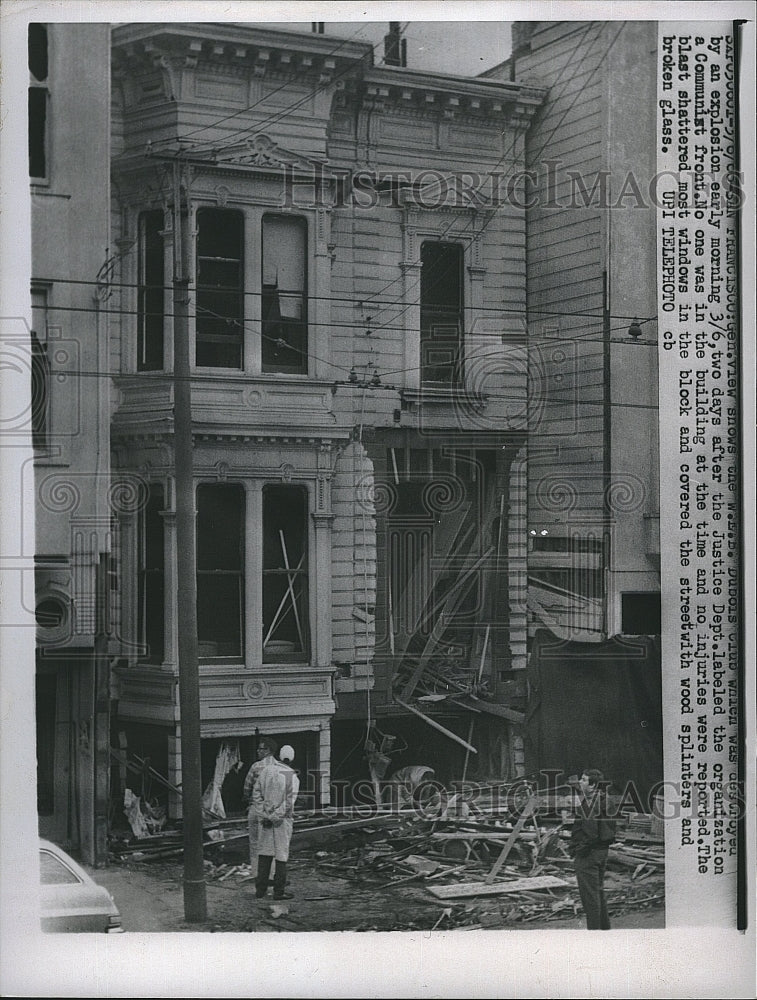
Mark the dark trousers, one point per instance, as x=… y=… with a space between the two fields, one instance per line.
x=590 y=873
x=264 y=871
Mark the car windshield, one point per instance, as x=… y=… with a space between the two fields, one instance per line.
x=53 y=872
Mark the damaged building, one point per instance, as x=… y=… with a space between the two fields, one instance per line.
x=378 y=407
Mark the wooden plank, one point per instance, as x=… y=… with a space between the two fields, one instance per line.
x=454 y=598
x=499 y=888
x=438 y=725
x=527 y=811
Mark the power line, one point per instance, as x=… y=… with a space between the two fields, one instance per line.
x=508 y=310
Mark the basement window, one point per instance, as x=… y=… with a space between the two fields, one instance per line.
x=150 y=295
x=220 y=289
x=151 y=576
x=284 y=295
x=441 y=312
x=286 y=633
x=220 y=569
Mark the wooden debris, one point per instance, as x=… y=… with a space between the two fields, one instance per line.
x=498 y=888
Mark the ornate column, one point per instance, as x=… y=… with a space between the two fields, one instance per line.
x=253 y=573
x=319 y=307
x=320 y=575
x=411 y=297
x=171 y=629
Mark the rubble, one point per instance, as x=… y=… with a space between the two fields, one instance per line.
x=502 y=861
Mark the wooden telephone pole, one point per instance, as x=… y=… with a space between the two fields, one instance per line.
x=195 y=898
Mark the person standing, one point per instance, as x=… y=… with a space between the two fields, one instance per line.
x=274 y=793
x=266 y=748
x=590 y=837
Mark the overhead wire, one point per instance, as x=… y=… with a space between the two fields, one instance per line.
x=509 y=310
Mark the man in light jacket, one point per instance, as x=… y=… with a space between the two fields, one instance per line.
x=266 y=749
x=273 y=796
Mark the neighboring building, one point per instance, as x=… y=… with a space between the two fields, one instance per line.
x=359 y=395
x=593 y=455
x=69 y=157
x=594 y=554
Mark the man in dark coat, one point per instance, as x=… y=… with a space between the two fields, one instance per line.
x=590 y=837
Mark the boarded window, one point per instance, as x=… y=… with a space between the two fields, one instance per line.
x=151 y=576
x=150 y=297
x=220 y=569
x=284 y=295
x=285 y=574
x=220 y=289
x=441 y=312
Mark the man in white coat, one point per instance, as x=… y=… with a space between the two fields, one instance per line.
x=273 y=796
x=266 y=749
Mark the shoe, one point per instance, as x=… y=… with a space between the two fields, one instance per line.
x=261 y=895
x=283 y=895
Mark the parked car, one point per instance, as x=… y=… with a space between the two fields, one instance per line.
x=69 y=899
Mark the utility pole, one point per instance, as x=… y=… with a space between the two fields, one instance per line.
x=195 y=900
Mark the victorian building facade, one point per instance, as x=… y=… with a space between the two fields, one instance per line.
x=359 y=390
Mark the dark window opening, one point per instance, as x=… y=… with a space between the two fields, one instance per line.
x=50 y=613
x=220 y=289
x=45 y=709
x=286 y=633
x=151 y=576
x=441 y=312
x=220 y=569
x=40 y=392
x=37 y=39
x=37 y=132
x=150 y=296
x=284 y=295
x=641 y=614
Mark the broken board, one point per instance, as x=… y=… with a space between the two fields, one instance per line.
x=482 y=889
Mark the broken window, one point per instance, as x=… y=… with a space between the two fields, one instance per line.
x=284 y=295
x=150 y=297
x=285 y=574
x=38 y=100
x=220 y=289
x=220 y=569
x=441 y=312
x=150 y=576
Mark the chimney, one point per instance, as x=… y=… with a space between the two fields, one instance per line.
x=395 y=48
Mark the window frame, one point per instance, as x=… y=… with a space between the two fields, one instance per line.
x=41 y=130
x=144 y=288
x=145 y=573
x=238 y=291
x=300 y=571
x=455 y=379
x=303 y=368
x=204 y=573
